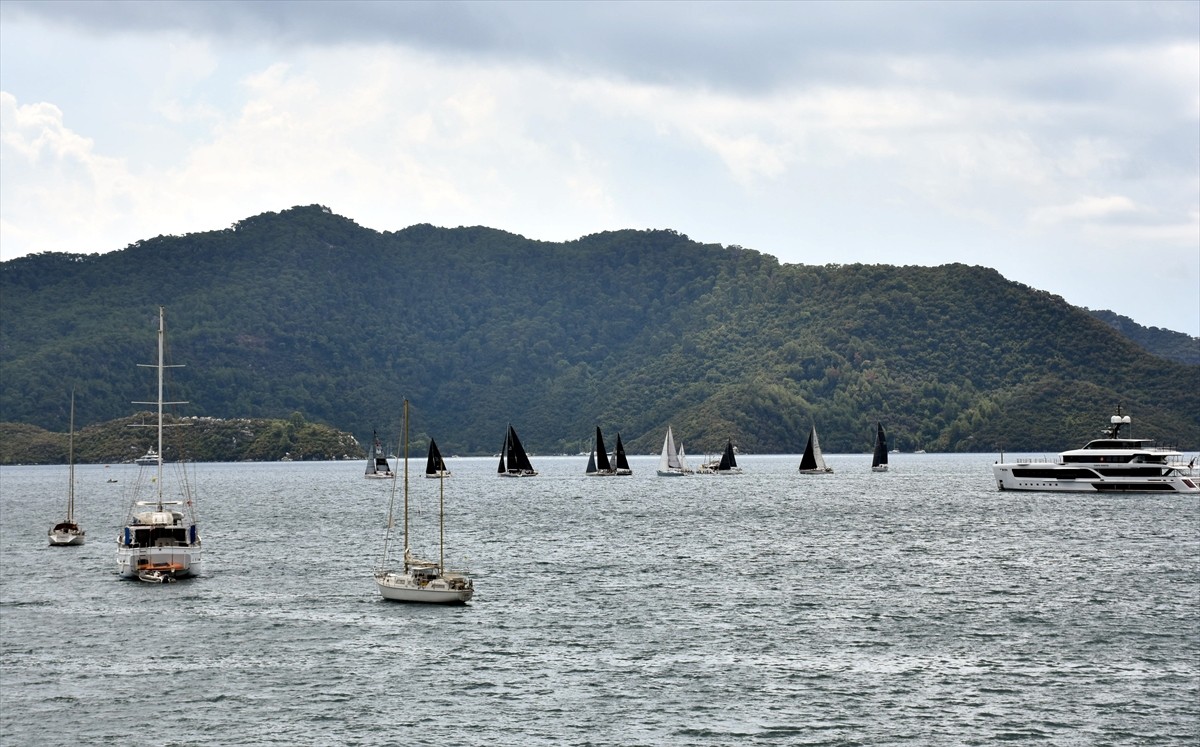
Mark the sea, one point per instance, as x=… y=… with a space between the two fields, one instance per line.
x=915 y=607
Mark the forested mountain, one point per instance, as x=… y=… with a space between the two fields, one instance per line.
x=305 y=311
x=1164 y=343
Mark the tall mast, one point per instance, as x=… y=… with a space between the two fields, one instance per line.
x=71 y=460
x=406 y=485
x=441 y=523
x=161 y=315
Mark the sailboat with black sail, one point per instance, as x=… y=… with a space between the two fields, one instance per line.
x=67 y=532
x=160 y=540
x=514 y=462
x=620 y=461
x=598 y=464
x=726 y=465
x=879 y=459
x=813 y=463
x=413 y=579
x=435 y=466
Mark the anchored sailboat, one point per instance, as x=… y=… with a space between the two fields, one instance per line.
x=812 y=463
x=67 y=532
x=672 y=462
x=435 y=466
x=161 y=538
x=879 y=459
x=514 y=462
x=420 y=580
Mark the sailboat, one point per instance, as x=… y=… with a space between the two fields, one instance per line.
x=377 y=462
x=160 y=540
x=598 y=463
x=879 y=460
x=672 y=462
x=514 y=462
x=420 y=580
x=435 y=466
x=621 y=462
x=67 y=532
x=726 y=465
x=812 y=463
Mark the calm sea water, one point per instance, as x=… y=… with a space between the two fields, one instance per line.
x=917 y=607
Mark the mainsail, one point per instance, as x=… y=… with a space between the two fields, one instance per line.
x=880 y=457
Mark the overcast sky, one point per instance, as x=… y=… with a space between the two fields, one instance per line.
x=1056 y=142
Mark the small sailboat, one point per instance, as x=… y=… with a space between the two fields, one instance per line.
x=420 y=580
x=672 y=462
x=67 y=532
x=160 y=540
x=726 y=465
x=378 y=467
x=598 y=464
x=879 y=460
x=620 y=461
x=514 y=462
x=435 y=466
x=812 y=463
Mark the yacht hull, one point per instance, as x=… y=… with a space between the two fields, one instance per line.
x=1042 y=478
x=177 y=562
x=400 y=587
x=66 y=539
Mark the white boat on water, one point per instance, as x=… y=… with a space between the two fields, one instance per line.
x=813 y=462
x=672 y=462
x=879 y=459
x=67 y=532
x=415 y=580
x=1112 y=464
x=160 y=540
x=148 y=459
x=378 y=467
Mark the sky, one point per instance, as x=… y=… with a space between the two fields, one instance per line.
x=1056 y=142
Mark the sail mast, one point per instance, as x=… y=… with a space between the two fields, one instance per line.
x=406 y=485
x=71 y=468
x=441 y=524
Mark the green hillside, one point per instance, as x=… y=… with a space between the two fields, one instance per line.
x=305 y=311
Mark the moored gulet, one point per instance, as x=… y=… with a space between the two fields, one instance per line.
x=416 y=580
x=160 y=541
x=1112 y=464
x=67 y=532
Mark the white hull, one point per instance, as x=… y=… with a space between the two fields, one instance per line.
x=879 y=468
x=825 y=471
x=178 y=562
x=452 y=588
x=438 y=475
x=380 y=476
x=64 y=539
x=521 y=473
x=1008 y=477
x=671 y=473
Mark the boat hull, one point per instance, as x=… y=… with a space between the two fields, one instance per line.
x=66 y=539
x=176 y=562
x=1042 y=478
x=671 y=473
x=825 y=471
x=403 y=587
x=880 y=468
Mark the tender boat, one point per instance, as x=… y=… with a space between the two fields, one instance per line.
x=417 y=580
x=1112 y=464
x=161 y=538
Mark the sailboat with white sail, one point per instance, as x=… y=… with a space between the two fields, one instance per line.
x=160 y=540
x=378 y=467
x=672 y=462
x=879 y=458
x=67 y=532
x=435 y=466
x=514 y=462
x=416 y=580
x=598 y=464
x=813 y=463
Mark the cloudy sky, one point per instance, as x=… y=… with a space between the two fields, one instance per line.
x=1055 y=142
